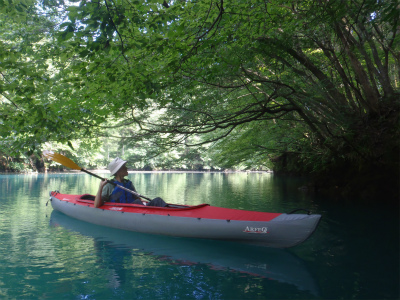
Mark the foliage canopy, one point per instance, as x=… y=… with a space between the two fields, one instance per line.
x=317 y=81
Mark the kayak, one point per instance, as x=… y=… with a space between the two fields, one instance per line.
x=278 y=230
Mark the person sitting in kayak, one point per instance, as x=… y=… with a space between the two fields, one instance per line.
x=113 y=193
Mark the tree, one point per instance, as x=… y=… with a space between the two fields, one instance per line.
x=327 y=72
x=28 y=114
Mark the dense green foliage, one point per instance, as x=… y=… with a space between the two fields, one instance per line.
x=302 y=86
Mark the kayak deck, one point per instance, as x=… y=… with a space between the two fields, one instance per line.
x=202 y=211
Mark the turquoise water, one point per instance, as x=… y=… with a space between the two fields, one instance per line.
x=354 y=254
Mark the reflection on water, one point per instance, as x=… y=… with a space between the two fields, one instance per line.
x=273 y=264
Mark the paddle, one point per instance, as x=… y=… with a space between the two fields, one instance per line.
x=65 y=161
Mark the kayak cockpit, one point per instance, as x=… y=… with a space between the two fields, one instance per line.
x=87 y=198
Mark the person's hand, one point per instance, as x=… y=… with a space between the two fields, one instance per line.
x=103 y=183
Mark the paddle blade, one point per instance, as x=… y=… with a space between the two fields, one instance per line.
x=61 y=159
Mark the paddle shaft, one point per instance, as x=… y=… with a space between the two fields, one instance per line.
x=113 y=183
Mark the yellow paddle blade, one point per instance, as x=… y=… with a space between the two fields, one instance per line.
x=61 y=159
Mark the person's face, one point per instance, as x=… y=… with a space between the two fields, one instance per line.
x=123 y=171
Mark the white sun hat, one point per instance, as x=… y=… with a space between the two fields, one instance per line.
x=115 y=165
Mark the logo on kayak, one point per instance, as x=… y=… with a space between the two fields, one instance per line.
x=115 y=208
x=250 y=229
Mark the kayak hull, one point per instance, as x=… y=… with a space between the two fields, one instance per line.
x=202 y=221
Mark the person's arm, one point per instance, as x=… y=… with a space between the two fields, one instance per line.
x=97 y=200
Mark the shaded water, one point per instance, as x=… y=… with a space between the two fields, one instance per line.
x=354 y=254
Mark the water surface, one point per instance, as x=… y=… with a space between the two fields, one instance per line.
x=354 y=254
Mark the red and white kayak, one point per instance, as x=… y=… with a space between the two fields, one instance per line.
x=278 y=230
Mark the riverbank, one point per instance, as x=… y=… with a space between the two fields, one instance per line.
x=102 y=171
x=369 y=186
